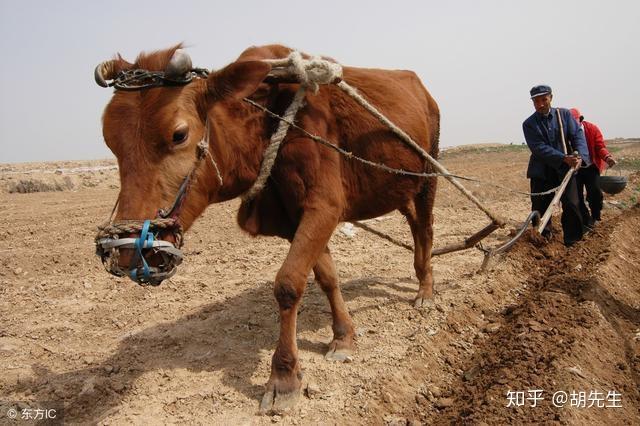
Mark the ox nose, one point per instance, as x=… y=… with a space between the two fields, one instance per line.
x=127 y=256
x=147 y=257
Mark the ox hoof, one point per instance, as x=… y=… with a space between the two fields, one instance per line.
x=424 y=302
x=339 y=355
x=340 y=350
x=276 y=400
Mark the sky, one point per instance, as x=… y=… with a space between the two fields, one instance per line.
x=477 y=58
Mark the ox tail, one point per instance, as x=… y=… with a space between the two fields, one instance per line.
x=434 y=150
x=435 y=137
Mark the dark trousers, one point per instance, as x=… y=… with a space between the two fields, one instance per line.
x=588 y=178
x=571 y=217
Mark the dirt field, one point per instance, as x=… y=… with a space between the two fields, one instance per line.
x=197 y=349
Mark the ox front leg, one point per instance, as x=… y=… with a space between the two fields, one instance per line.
x=342 y=345
x=313 y=233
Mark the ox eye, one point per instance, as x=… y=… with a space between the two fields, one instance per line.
x=180 y=135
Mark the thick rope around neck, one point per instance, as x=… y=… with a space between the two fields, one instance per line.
x=271 y=152
x=311 y=73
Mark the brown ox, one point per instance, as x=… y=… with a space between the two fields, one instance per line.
x=153 y=133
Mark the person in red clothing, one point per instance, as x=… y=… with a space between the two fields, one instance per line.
x=588 y=176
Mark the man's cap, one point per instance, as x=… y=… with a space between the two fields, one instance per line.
x=575 y=112
x=539 y=90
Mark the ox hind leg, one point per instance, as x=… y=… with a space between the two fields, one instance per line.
x=308 y=244
x=342 y=344
x=419 y=214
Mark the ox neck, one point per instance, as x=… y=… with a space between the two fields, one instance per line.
x=239 y=151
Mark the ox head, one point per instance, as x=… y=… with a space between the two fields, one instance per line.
x=162 y=115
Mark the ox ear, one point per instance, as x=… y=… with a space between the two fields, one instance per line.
x=238 y=80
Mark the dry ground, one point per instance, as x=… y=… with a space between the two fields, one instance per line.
x=197 y=349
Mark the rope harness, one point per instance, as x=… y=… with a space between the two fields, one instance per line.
x=309 y=73
x=312 y=72
x=386 y=168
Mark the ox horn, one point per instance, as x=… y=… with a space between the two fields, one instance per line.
x=104 y=71
x=179 y=65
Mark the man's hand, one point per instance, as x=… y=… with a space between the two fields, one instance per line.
x=572 y=161
x=610 y=160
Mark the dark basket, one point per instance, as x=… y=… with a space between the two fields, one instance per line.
x=612 y=184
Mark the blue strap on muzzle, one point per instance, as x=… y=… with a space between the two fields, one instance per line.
x=145 y=240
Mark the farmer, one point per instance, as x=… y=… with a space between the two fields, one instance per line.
x=551 y=159
x=588 y=177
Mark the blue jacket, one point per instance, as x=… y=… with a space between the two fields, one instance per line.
x=543 y=138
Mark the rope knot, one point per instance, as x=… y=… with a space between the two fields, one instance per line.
x=202 y=149
x=315 y=71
